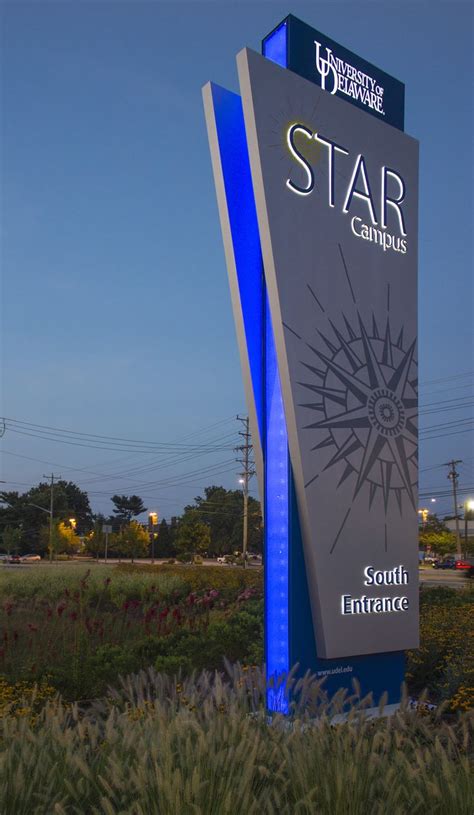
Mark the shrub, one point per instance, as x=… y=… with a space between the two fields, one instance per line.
x=169 y=745
x=227 y=581
x=444 y=663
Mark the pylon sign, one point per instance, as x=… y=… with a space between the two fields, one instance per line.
x=318 y=206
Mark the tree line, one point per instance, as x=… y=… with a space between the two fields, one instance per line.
x=212 y=525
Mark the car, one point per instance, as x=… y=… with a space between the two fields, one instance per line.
x=466 y=565
x=30 y=558
x=221 y=560
x=14 y=559
x=447 y=563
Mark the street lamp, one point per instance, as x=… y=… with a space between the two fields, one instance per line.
x=152 y=525
x=424 y=515
x=73 y=522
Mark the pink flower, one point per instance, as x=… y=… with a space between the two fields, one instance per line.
x=32 y=627
x=246 y=595
x=60 y=609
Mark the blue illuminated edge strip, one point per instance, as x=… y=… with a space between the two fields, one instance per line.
x=277 y=484
x=242 y=216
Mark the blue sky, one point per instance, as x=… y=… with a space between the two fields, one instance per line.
x=116 y=310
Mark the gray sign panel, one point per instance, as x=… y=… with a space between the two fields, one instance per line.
x=336 y=196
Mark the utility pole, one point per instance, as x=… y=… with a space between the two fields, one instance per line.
x=453 y=476
x=51 y=509
x=245 y=476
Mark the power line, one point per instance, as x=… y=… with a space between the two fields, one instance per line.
x=49 y=430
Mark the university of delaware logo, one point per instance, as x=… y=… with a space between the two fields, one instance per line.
x=324 y=67
x=338 y=75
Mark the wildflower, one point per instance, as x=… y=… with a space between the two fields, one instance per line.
x=60 y=608
x=245 y=595
x=73 y=616
x=150 y=614
x=32 y=627
x=8 y=607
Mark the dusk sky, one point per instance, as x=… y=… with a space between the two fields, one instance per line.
x=116 y=316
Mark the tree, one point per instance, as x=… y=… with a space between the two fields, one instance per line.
x=193 y=535
x=11 y=539
x=25 y=510
x=126 y=507
x=95 y=541
x=166 y=536
x=64 y=540
x=435 y=536
x=222 y=510
x=133 y=540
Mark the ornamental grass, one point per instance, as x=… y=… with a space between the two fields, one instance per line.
x=172 y=746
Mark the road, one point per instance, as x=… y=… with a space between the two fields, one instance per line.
x=452 y=578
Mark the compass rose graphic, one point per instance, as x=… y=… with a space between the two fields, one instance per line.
x=366 y=411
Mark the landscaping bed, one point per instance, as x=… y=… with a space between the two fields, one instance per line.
x=76 y=629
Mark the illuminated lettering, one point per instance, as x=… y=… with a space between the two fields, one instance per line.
x=360 y=169
x=373 y=605
x=390 y=577
x=298 y=128
x=359 y=187
x=332 y=148
x=392 y=202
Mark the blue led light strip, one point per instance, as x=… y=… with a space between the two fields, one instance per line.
x=276 y=528
x=277 y=485
x=261 y=352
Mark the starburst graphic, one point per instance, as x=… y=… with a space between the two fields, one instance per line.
x=366 y=384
